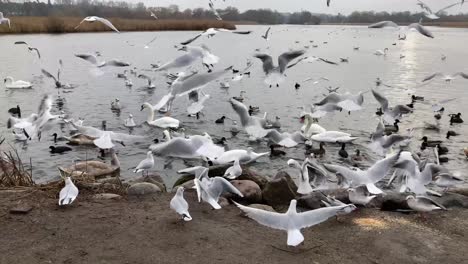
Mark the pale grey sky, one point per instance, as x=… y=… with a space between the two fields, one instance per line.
x=314 y=6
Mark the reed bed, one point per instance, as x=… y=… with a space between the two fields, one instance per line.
x=57 y=24
x=12 y=171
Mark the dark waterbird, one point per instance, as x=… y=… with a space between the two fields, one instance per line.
x=59 y=149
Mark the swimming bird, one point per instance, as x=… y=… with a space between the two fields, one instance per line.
x=163 y=122
x=381 y=143
x=360 y=196
x=275 y=74
x=15 y=111
x=276 y=123
x=430 y=143
x=381 y=53
x=451 y=133
x=465 y=150
x=29 y=47
x=234 y=171
x=456 y=119
x=445 y=77
x=241 y=97
x=148 y=79
x=193 y=53
x=367 y=177
x=146 y=164
x=59 y=149
x=392 y=128
x=318 y=152
x=220 y=120
x=94 y=169
x=423 y=204
x=276 y=152
x=343 y=153
x=104 y=21
x=4 y=20
x=68 y=193
x=10 y=83
x=333 y=137
x=105 y=139
x=129 y=122
x=292 y=221
x=180 y=205
x=211 y=32
x=115 y=105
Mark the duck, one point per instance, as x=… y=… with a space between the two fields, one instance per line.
x=430 y=143
x=240 y=98
x=318 y=152
x=94 y=169
x=129 y=122
x=221 y=141
x=451 y=133
x=379 y=112
x=128 y=83
x=15 y=111
x=441 y=150
x=389 y=129
x=344 y=59
x=417 y=98
x=224 y=85
x=234 y=128
x=59 y=149
x=254 y=109
x=163 y=122
x=115 y=105
x=357 y=157
x=220 y=120
x=10 y=83
x=456 y=119
x=381 y=53
x=276 y=152
x=80 y=139
x=343 y=153
x=465 y=150
x=297 y=86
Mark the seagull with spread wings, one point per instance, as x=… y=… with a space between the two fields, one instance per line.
x=104 y=21
x=275 y=74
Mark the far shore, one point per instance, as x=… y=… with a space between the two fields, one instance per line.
x=57 y=24
x=431 y=24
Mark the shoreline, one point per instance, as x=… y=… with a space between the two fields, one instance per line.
x=59 y=25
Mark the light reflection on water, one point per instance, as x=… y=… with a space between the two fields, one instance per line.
x=91 y=99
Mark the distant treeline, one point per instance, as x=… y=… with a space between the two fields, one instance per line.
x=81 y=8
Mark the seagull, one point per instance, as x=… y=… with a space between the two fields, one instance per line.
x=328 y=3
x=275 y=74
x=347 y=101
x=198 y=102
x=180 y=205
x=435 y=15
x=211 y=32
x=215 y=12
x=104 y=21
x=292 y=221
x=29 y=47
x=185 y=84
x=446 y=77
x=147 y=78
x=129 y=122
x=285 y=139
x=368 y=177
x=234 y=171
x=265 y=36
x=193 y=54
x=390 y=113
x=91 y=58
x=147 y=44
x=68 y=193
x=381 y=143
x=153 y=15
x=146 y=164
x=210 y=189
x=424 y=31
x=358 y=196
x=244 y=156
x=58 y=84
x=104 y=139
x=304 y=186
x=4 y=20
x=254 y=126
x=384 y=24
x=423 y=204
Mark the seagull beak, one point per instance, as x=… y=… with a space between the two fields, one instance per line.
x=142 y=107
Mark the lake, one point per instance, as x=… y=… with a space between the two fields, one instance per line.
x=93 y=94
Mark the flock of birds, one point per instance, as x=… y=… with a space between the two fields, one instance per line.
x=412 y=172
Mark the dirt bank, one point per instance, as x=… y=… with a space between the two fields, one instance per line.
x=147 y=231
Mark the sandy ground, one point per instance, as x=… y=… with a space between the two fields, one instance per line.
x=147 y=231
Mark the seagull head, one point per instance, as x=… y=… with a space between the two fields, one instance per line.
x=183 y=48
x=409 y=197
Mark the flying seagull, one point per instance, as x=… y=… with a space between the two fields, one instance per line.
x=91 y=58
x=4 y=20
x=275 y=74
x=29 y=47
x=104 y=21
x=211 y=32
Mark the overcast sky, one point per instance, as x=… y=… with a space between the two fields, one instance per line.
x=314 y=6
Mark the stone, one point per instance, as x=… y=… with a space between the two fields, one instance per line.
x=106 y=196
x=223 y=202
x=285 y=175
x=278 y=193
x=263 y=207
x=143 y=188
x=183 y=179
x=250 y=175
x=152 y=178
x=21 y=209
x=251 y=191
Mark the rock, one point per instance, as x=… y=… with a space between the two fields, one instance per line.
x=183 y=179
x=21 y=209
x=143 y=188
x=311 y=201
x=462 y=191
x=106 y=196
x=278 y=193
x=450 y=200
x=250 y=175
x=263 y=207
x=154 y=179
x=223 y=202
x=291 y=183
x=251 y=191
x=218 y=170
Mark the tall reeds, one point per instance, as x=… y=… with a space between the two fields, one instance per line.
x=58 y=24
x=12 y=171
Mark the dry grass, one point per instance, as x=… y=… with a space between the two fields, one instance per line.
x=56 y=24
x=448 y=24
x=12 y=171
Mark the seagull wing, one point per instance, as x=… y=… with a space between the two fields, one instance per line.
x=107 y=23
x=191 y=40
x=266 y=218
x=379 y=170
x=432 y=76
x=424 y=31
x=383 y=24
x=286 y=57
x=317 y=216
x=91 y=58
x=267 y=62
x=381 y=99
x=47 y=74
